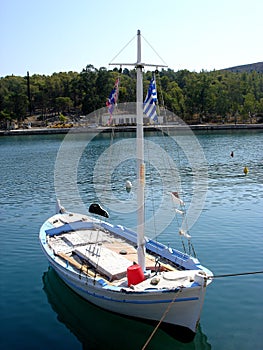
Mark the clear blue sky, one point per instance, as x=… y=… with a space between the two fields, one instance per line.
x=47 y=36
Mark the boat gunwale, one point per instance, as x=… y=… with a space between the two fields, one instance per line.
x=109 y=285
x=171 y=254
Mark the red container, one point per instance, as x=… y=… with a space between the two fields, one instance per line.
x=135 y=274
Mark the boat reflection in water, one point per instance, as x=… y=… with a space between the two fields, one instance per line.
x=99 y=329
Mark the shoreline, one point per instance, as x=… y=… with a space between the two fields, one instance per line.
x=207 y=127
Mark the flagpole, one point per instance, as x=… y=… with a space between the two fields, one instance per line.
x=140 y=150
x=140 y=158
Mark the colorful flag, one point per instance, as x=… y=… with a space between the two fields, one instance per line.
x=112 y=100
x=150 y=102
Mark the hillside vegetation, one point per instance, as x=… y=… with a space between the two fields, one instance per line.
x=253 y=67
x=217 y=96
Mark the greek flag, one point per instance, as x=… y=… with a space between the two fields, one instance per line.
x=150 y=102
x=112 y=100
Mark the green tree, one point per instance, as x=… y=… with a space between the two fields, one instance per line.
x=16 y=101
x=174 y=99
x=87 y=83
x=63 y=104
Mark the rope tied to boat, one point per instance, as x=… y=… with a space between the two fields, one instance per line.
x=163 y=317
x=235 y=274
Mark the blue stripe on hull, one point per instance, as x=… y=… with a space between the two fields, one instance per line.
x=148 y=302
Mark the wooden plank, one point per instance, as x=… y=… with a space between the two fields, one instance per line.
x=73 y=262
x=106 y=261
x=132 y=256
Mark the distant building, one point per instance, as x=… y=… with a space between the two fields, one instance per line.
x=126 y=119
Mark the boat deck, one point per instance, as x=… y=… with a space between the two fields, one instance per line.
x=96 y=250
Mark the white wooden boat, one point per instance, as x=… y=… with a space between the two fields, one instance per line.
x=123 y=271
x=108 y=330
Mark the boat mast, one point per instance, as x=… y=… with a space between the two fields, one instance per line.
x=140 y=158
x=140 y=150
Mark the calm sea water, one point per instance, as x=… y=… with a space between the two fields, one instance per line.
x=37 y=311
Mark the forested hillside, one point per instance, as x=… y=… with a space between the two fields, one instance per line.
x=257 y=67
x=217 y=96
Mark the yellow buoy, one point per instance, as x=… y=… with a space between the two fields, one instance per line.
x=245 y=170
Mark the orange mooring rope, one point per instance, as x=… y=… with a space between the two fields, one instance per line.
x=161 y=320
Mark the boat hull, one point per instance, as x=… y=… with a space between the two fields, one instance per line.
x=179 y=310
x=174 y=303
